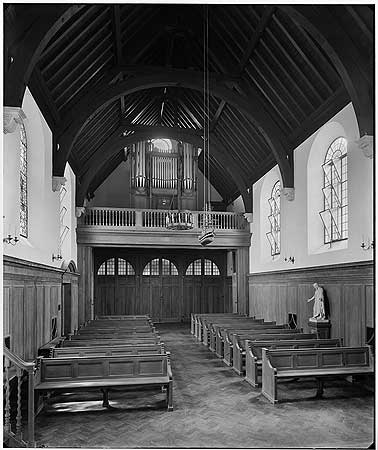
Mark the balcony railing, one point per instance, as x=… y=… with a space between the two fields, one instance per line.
x=156 y=219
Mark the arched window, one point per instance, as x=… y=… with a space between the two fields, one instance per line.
x=207 y=268
x=162 y=145
x=274 y=235
x=107 y=267
x=23 y=183
x=125 y=268
x=160 y=267
x=335 y=192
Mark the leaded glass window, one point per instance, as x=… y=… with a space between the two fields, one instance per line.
x=274 y=235
x=23 y=183
x=208 y=268
x=160 y=267
x=125 y=268
x=335 y=192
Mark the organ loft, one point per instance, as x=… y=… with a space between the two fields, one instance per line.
x=188 y=225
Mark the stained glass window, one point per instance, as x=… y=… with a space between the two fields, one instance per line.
x=23 y=183
x=335 y=192
x=274 y=235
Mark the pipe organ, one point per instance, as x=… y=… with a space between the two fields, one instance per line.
x=164 y=174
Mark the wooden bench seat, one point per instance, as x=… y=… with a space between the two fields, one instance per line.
x=104 y=372
x=122 y=317
x=317 y=363
x=203 y=319
x=108 y=330
x=234 y=352
x=253 y=357
x=133 y=349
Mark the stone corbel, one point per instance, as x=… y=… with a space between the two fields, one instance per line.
x=57 y=182
x=79 y=211
x=248 y=217
x=366 y=145
x=13 y=116
x=289 y=193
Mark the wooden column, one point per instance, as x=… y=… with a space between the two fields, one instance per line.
x=86 y=283
x=242 y=269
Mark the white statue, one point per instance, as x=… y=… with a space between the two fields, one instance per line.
x=318 y=297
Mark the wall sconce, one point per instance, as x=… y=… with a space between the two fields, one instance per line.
x=367 y=245
x=11 y=240
x=290 y=259
x=56 y=257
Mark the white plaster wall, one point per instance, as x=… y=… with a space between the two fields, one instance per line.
x=237 y=206
x=298 y=221
x=43 y=203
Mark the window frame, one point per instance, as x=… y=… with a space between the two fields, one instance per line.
x=274 y=235
x=338 y=214
x=23 y=179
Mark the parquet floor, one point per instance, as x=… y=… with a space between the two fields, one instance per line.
x=213 y=408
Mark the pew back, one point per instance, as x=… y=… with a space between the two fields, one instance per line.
x=108 y=351
x=90 y=342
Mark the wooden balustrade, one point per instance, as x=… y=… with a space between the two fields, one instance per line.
x=15 y=434
x=156 y=218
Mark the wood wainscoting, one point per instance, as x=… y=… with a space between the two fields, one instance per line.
x=33 y=304
x=348 y=287
x=164 y=297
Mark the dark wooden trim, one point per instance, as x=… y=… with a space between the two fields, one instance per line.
x=18 y=263
x=344 y=272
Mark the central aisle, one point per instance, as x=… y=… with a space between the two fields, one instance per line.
x=213 y=407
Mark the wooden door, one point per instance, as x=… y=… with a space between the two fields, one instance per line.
x=67 y=309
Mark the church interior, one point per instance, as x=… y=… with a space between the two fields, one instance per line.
x=188 y=225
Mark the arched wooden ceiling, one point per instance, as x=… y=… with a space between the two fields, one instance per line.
x=102 y=73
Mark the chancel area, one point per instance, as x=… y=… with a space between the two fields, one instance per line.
x=188 y=225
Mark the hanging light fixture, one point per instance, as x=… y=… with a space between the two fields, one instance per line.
x=207 y=235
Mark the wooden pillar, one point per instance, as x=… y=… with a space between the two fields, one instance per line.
x=86 y=283
x=242 y=269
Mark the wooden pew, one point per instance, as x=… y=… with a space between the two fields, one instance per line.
x=154 y=339
x=253 y=357
x=211 y=328
x=123 y=317
x=115 y=335
x=238 y=349
x=104 y=373
x=197 y=318
x=316 y=363
x=218 y=334
x=208 y=325
x=108 y=330
x=131 y=349
x=259 y=328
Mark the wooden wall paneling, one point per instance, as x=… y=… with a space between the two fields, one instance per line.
x=305 y=309
x=46 y=314
x=144 y=305
x=333 y=293
x=369 y=306
x=29 y=314
x=354 y=315
x=292 y=300
x=40 y=314
x=74 y=306
x=281 y=304
x=6 y=310
x=17 y=320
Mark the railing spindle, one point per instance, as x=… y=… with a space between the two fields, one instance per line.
x=7 y=397
x=19 y=400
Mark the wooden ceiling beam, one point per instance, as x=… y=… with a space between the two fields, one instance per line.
x=355 y=69
x=99 y=97
x=263 y=23
x=44 y=100
x=116 y=23
x=26 y=34
x=252 y=44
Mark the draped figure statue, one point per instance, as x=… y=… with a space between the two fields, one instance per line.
x=318 y=297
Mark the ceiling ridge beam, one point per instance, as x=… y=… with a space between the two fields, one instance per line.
x=265 y=18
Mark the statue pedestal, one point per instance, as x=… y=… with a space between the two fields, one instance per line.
x=322 y=328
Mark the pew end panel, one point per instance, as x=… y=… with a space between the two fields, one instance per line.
x=269 y=377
